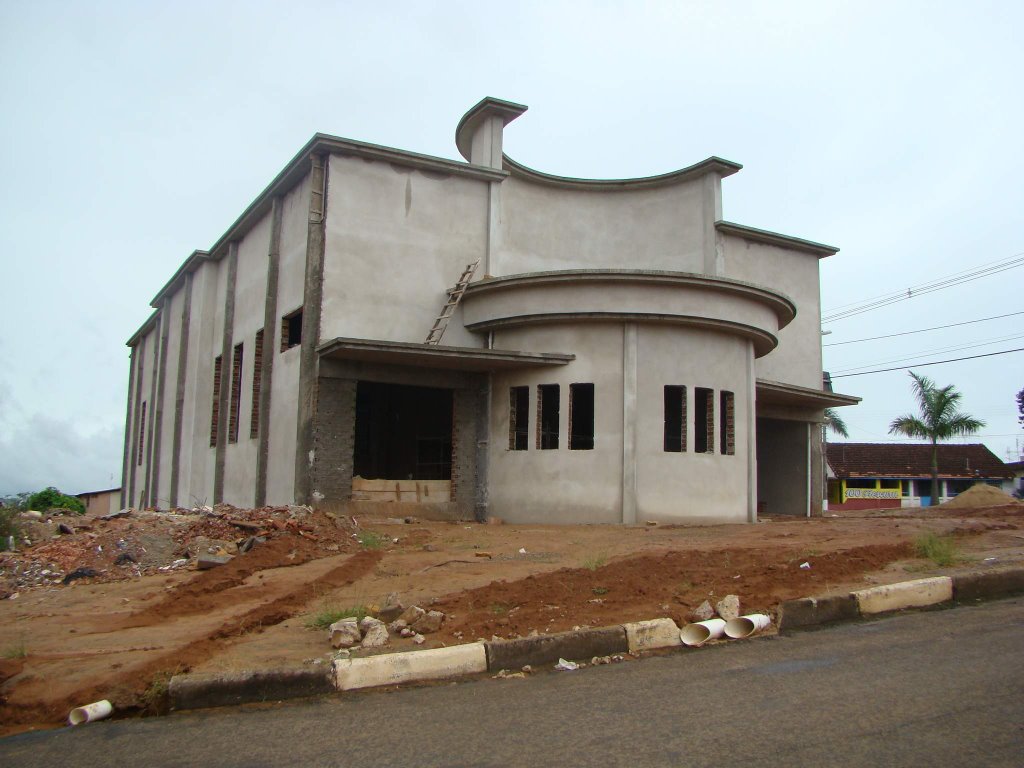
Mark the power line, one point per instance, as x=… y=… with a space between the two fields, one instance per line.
x=930 y=352
x=922 y=330
x=841 y=313
x=922 y=365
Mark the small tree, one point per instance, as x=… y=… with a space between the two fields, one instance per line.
x=939 y=419
x=835 y=422
x=51 y=498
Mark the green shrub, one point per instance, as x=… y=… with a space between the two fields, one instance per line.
x=941 y=550
x=328 y=615
x=371 y=540
x=52 y=498
x=8 y=526
x=595 y=562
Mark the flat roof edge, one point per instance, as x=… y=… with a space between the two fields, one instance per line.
x=774 y=238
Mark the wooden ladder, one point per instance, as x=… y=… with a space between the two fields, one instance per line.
x=454 y=297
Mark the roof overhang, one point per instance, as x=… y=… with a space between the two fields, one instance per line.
x=777 y=393
x=437 y=356
x=774 y=238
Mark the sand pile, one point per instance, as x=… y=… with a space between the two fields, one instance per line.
x=979 y=495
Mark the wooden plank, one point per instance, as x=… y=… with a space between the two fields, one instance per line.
x=384 y=490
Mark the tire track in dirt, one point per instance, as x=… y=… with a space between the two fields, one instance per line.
x=132 y=690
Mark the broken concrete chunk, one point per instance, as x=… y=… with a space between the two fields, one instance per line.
x=430 y=622
x=728 y=607
x=115 y=515
x=418 y=639
x=703 y=612
x=392 y=609
x=345 y=633
x=375 y=634
x=397 y=625
x=406 y=632
x=66 y=529
x=205 y=560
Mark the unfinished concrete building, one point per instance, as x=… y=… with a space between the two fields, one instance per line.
x=482 y=339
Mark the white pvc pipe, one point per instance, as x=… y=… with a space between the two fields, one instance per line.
x=700 y=632
x=745 y=626
x=90 y=712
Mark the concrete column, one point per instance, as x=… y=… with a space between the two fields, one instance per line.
x=125 y=466
x=629 y=408
x=269 y=349
x=179 y=390
x=140 y=366
x=493 y=229
x=225 y=375
x=465 y=430
x=158 y=410
x=144 y=498
x=712 y=212
x=312 y=301
x=483 y=431
x=751 y=427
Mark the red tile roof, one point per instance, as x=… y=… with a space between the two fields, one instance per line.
x=913 y=460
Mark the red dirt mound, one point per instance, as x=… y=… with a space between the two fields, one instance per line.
x=669 y=583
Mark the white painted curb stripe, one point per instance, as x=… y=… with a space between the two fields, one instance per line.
x=395 y=668
x=906 y=594
x=656 y=633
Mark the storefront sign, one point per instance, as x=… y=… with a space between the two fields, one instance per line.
x=872 y=493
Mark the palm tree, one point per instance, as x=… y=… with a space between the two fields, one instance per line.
x=939 y=419
x=835 y=422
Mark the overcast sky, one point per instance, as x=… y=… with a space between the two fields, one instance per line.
x=135 y=132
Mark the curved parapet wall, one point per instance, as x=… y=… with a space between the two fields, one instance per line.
x=710 y=165
x=698 y=301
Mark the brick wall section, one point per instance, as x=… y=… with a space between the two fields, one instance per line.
x=728 y=417
x=334 y=433
x=257 y=376
x=465 y=412
x=215 y=407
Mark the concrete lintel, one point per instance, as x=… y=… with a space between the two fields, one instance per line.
x=436 y=356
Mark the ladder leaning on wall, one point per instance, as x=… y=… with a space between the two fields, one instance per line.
x=454 y=297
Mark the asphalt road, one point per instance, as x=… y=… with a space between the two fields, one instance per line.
x=941 y=688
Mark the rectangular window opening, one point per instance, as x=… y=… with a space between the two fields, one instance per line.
x=257 y=380
x=674 y=438
x=291 y=330
x=518 y=418
x=727 y=410
x=236 y=394
x=215 y=407
x=703 y=420
x=581 y=417
x=548 y=401
x=142 y=433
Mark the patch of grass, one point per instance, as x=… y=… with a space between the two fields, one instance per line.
x=326 y=616
x=16 y=651
x=941 y=550
x=371 y=540
x=499 y=609
x=600 y=591
x=595 y=562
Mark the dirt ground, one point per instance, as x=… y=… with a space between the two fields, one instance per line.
x=122 y=633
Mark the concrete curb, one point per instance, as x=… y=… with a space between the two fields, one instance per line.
x=411 y=666
x=548 y=649
x=918 y=593
x=200 y=691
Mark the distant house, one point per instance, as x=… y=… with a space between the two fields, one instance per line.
x=1017 y=468
x=886 y=476
x=101 y=502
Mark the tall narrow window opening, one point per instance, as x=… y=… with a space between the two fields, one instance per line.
x=215 y=407
x=518 y=418
x=703 y=420
x=142 y=432
x=257 y=380
x=674 y=439
x=727 y=415
x=236 y=394
x=548 y=401
x=581 y=417
x=291 y=330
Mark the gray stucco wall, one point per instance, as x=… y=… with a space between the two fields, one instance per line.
x=544 y=228
x=397 y=238
x=782 y=467
x=797 y=359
